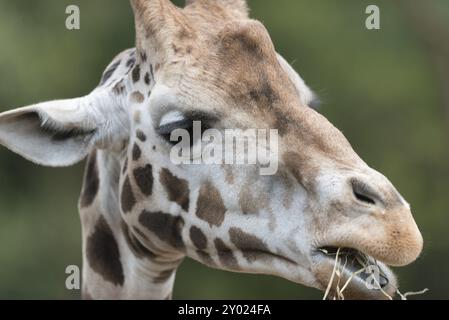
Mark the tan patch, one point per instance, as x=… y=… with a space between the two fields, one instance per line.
x=137 y=97
x=248 y=204
x=210 y=205
x=252 y=200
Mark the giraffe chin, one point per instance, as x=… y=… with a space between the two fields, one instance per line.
x=353 y=284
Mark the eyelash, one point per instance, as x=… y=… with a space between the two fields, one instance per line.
x=166 y=130
x=187 y=124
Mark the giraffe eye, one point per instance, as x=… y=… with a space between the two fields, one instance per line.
x=194 y=124
x=166 y=130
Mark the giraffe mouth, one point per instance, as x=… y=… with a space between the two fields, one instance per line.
x=350 y=273
x=356 y=262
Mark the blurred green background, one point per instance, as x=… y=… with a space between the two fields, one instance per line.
x=388 y=90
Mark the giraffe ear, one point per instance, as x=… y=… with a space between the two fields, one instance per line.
x=60 y=133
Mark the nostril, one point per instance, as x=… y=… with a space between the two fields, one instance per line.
x=363 y=192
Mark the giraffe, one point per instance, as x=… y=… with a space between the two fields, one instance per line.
x=142 y=215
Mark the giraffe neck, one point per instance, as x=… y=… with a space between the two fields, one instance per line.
x=116 y=264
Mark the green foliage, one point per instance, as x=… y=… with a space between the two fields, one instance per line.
x=379 y=87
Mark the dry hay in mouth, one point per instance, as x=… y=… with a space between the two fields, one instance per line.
x=364 y=261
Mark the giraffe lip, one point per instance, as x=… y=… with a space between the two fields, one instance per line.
x=354 y=262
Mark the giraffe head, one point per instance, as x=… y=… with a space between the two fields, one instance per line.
x=210 y=63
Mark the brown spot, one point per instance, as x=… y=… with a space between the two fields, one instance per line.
x=128 y=199
x=198 y=238
x=147 y=79
x=166 y=227
x=137 y=97
x=91 y=181
x=164 y=276
x=143 y=57
x=225 y=255
x=136 y=153
x=136 y=74
x=157 y=67
x=252 y=247
x=109 y=72
x=103 y=254
x=130 y=63
x=205 y=258
x=177 y=189
x=135 y=245
x=184 y=34
x=141 y=136
x=210 y=206
x=144 y=179
x=248 y=204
